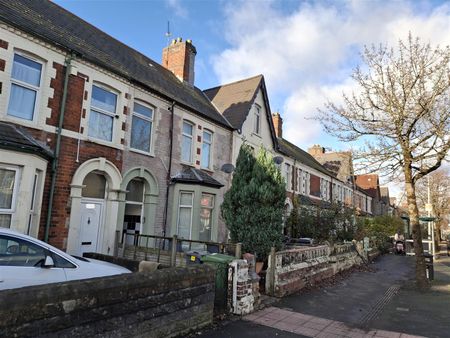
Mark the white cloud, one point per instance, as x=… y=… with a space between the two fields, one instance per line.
x=178 y=8
x=307 y=55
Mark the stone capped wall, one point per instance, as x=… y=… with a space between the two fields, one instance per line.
x=293 y=269
x=163 y=303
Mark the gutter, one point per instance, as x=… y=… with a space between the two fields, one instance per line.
x=169 y=171
x=55 y=162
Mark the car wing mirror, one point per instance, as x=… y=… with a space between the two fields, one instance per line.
x=48 y=263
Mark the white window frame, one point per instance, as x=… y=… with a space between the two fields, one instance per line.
x=12 y=210
x=35 y=185
x=210 y=208
x=257 y=122
x=288 y=176
x=191 y=206
x=104 y=112
x=27 y=86
x=146 y=118
x=210 y=143
x=183 y=134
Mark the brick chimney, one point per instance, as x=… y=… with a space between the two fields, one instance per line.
x=278 y=124
x=179 y=58
x=316 y=150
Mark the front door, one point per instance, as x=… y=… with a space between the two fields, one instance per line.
x=91 y=216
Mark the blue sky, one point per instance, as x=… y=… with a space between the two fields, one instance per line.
x=305 y=49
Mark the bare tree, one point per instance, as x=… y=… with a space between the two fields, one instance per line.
x=401 y=112
x=439 y=186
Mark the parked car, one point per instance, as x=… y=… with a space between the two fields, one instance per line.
x=26 y=261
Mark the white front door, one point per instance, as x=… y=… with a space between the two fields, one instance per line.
x=91 y=217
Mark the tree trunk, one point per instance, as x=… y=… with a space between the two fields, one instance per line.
x=421 y=278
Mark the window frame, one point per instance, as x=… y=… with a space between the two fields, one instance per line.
x=191 y=206
x=103 y=112
x=183 y=134
x=26 y=86
x=257 y=122
x=145 y=118
x=288 y=176
x=211 y=215
x=210 y=144
x=12 y=210
x=33 y=203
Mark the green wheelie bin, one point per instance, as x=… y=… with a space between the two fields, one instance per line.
x=220 y=262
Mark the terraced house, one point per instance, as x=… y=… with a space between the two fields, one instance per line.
x=245 y=104
x=96 y=138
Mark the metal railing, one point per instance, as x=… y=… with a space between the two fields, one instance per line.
x=167 y=250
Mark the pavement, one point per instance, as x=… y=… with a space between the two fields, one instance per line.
x=380 y=302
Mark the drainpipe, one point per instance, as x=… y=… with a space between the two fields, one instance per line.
x=169 y=171
x=55 y=161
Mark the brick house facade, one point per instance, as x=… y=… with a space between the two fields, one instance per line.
x=124 y=128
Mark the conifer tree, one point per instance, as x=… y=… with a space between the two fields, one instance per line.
x=253 y=207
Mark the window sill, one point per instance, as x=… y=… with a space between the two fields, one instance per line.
x=109 y=144
x=208 y=170
x=31 y=123
x=257 y=135
x=141 y=152
x=189 y=164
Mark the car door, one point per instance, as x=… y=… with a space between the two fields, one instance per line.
x=21 y=264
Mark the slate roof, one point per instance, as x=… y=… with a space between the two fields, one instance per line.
x=195 y=176
x=332 y=166
x=234 y=100
x=56 y=25
x=300 y=155
x=15 y=138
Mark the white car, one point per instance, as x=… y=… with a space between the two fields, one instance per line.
x=26 y=261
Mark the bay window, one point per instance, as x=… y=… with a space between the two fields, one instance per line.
x=8 y=187
x=206 y=209
x=185 y=207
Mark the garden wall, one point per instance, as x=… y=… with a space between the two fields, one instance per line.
x=291 y=270
x=163 y=303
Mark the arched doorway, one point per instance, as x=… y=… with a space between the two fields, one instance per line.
x=94 y=205
x=137 y=207
x=93 y=198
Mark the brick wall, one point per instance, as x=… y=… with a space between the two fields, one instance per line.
x=163 y=303
x=243 y=287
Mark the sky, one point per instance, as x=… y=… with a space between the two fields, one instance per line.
x=306 y=50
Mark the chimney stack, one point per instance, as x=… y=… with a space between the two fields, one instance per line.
x=179 y=58
x=278 y=124
x=316 y=150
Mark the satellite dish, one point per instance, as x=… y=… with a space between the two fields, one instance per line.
x=278 y=160
x=227 y=168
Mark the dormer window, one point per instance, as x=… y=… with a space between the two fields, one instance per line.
x=257 y=120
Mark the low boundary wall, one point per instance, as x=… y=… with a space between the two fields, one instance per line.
x=291 y=270
x=163 y=303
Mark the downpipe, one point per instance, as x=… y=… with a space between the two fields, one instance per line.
x=55 y=162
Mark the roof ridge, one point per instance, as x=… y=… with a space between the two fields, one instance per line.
x=108 y=35
x=234 y=82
